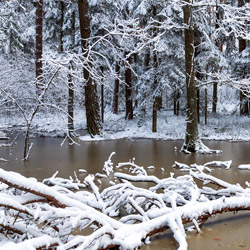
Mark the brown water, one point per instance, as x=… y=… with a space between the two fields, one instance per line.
x=221 y=232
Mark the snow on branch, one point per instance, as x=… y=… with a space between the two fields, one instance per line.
x=78 y=214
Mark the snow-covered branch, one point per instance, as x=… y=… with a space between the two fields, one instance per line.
x=34 y=214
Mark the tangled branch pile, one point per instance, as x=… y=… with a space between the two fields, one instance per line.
x=70 y=214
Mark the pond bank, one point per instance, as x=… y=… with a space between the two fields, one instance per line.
x=170 y=127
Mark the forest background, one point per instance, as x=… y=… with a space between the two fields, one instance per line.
x=138 y=69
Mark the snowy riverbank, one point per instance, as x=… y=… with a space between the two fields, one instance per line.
x=169 y=127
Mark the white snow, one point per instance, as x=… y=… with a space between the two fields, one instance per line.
x=226 y=164
x=221 y=127
x=244 y=166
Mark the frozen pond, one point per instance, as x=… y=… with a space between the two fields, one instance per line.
x=222 y=232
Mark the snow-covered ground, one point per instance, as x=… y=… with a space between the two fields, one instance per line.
x=169 y=127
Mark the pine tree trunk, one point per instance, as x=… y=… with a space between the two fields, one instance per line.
x=143 y=104
x=128 y=91
x=197 y=74
x=244 y=101
x=205 y=106
x=70 y=104
x=61 y=25
x=154 y=117
x=156 y=101
x=215 y=90
x=192 y=134
x=156 y=97
x=215 y=85
x=91 y=98
x=102 y=97
x=102 y=103
x=175 y=102
x=178 y=102
x=39 y=46
x=198 y=104
x=71 y=92
x=116 y=89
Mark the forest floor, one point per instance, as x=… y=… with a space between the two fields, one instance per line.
x=169 y=127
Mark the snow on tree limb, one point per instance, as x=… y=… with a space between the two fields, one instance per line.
x=36 y=215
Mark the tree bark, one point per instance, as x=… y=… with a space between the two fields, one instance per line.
x=176 y=102
x=39 y=46
x=91 y=98
x=128 y=91
x=205 y=106
x=215 y=90
x=154 y=117
x=219 y=45
x=244 y=101
x=143 y=106
x=155 y=97
x=70 y=104
x=197 y=43
x=71 y=91
x=116 y=90
x=198 y=104
x=61 y=25
x=102 y=97
x=192 y=133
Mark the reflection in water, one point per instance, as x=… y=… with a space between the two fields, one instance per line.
x=222 y=232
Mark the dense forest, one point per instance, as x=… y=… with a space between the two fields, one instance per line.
x=132 y=58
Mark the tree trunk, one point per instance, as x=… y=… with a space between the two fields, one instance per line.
x=102 y=97
x=39 y=46
x=175 y=102
x=178 y=103
x=205 y=106
x=244 y=101
x=197 y=43
x=116 y=89
x=198 y=104
x=143 y=104
x=128 y=91
x=102 y=103
x=192 y=133
x=61 y=25
x=219 y=45
x=215 y=90
x=135 y=56
x=156 y=97
x=71 y=91
x=70 y=104
x=156 y=101
x=154 y=117
x=91 y=98
x=244 y=104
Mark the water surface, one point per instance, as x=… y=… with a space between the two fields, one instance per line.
x=221 y=232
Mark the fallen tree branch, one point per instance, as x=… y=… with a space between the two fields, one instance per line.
x=43 y=213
